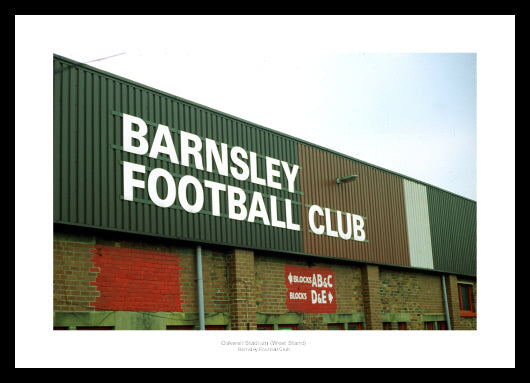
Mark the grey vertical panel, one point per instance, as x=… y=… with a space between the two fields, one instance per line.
x=418 y=228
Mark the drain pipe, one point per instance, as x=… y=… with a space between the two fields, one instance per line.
x=445 y=304
x=199 y=287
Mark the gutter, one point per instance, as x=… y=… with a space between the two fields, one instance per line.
x=446 y=307
x=200 y=293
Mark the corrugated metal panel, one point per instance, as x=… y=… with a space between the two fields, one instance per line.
x=418 y=229
x=453 y=223
x=88 y=162
x=375 y=195
x=88 y=108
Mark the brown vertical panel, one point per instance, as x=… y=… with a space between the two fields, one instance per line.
x=376 y=195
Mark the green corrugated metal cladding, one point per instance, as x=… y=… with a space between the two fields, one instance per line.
x=89 y=162
x=134 y=159
x=453 y=225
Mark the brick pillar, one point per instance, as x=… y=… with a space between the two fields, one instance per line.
x=242 y=290
x=373 y=318
x=453 y=301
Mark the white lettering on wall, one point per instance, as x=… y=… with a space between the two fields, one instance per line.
x=236 y=162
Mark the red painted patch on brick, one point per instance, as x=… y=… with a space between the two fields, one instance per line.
x=136 y=280
x=310 y=289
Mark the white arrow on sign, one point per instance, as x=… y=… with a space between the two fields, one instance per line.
x=290 y=278
x=330 y=297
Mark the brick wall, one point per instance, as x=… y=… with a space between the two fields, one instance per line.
x=371 y=297
x=459 y=322
x=93 y=274
x=100 y=274
x=215 y=282
x=270 y=285
x=130 y=279
x=469 y=323
x=242 y=290
x=73 y=275
x=411 y=293
x=271 y=289
x=214 y=276
x=430 y=298
x=348 y=285
x=188 y=279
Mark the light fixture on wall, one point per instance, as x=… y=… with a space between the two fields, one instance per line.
x=346 y=179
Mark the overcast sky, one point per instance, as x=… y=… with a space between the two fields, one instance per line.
x=430 y=97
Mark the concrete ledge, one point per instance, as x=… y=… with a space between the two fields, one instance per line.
x=396 y=317
x=134 y=320
x=343 y=318
x=433 y=317
x=73 y=319
x=192 y=319
x=275 y=319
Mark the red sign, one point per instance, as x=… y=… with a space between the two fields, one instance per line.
x=310 y=289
